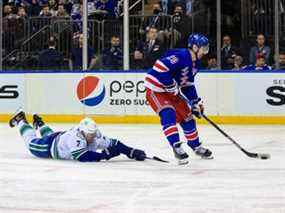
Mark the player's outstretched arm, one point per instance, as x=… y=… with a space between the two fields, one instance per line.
x=130 y=152
x=90 y=156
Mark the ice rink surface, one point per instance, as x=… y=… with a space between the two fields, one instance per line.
x=231 y=183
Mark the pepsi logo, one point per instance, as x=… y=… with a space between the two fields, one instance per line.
x=90 y=91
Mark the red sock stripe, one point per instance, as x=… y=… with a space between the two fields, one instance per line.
x=170 y=131
x=192 y=136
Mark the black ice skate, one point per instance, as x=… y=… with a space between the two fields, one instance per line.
x=17 y=117
x=180 y=154
x=37 y=121
x=203 y=152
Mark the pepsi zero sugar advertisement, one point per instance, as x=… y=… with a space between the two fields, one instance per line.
x=94 y=91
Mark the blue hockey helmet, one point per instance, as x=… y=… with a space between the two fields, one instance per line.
x=200 y=41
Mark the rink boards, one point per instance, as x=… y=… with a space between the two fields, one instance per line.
x=119 y=96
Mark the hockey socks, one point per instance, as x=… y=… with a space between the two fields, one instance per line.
x=191 y=133
x=45 y=130
x=171 y=133
x=168 y=122
x=24 y=128
x=27 y=132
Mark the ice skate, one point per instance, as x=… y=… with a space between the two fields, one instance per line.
x=17 y=117
x=203 y=152
x=37 y=121
x=180 y=154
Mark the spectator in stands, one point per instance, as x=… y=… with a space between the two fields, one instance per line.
x=147 y=52
x=109 y=6
x=212 y=62
x=50 y=59
x=7 y=11
x=113 y=57
x=259 y=49
x=238 y=62
x=75 y=61
x=164 y=4
x=76 y=16
x=189 y=7
x=22 y=13
x=10 y=29
x=228 y=53
x=260 y=64
x=45 y=11
x=34 y=8
x=282 y=61
x=22 y=24
x=182 y=27
x=67 y=4
x=61 y=12
x=156 y=19
x=53 y=4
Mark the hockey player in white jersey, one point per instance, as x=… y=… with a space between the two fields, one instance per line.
x=83 y=142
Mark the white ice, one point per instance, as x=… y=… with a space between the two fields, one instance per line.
x=231 y=183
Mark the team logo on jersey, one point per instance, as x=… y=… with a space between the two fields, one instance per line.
x=90 y=91
x=173 y=59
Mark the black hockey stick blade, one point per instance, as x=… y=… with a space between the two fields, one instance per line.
x=249 y=154
x=155 y=158
x=262 y=156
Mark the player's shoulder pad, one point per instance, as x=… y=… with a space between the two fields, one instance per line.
x=177 y=56
x=77 y=134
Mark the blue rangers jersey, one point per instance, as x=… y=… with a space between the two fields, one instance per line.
x=175 y=68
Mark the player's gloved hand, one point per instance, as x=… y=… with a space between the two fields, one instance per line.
x=110 y=152
x=173 y=89
x=137 y=154
x=197 y=107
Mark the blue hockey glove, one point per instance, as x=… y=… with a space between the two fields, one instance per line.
x=111 y=152
x=173 y=89
x=197 y=107
x=137 y=154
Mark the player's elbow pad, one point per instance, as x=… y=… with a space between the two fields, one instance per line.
x=91 y=157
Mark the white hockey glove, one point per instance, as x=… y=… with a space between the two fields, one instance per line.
x=197 y=107
x=173 y=89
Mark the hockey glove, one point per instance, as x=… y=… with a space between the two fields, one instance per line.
x=173 y=89
x=137 y=154
x=197 y=107
x=110 y=152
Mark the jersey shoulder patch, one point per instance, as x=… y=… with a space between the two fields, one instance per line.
x=173 y=59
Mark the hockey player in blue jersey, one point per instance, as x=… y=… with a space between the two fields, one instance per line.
x=83 y=142
x=171 y=93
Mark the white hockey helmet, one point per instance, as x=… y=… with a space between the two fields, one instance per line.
x=88 y=126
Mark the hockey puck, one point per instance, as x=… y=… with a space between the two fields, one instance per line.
x=264 y=156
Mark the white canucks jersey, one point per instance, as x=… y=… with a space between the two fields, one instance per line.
x=71 y=144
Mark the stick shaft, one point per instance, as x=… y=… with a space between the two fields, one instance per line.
x=229 y=137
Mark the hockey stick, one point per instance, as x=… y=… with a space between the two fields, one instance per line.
x=262 y=156
x=249 y=154
x=155 y=158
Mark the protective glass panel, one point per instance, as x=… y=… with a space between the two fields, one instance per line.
x=257 y=34
x=281 y=57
